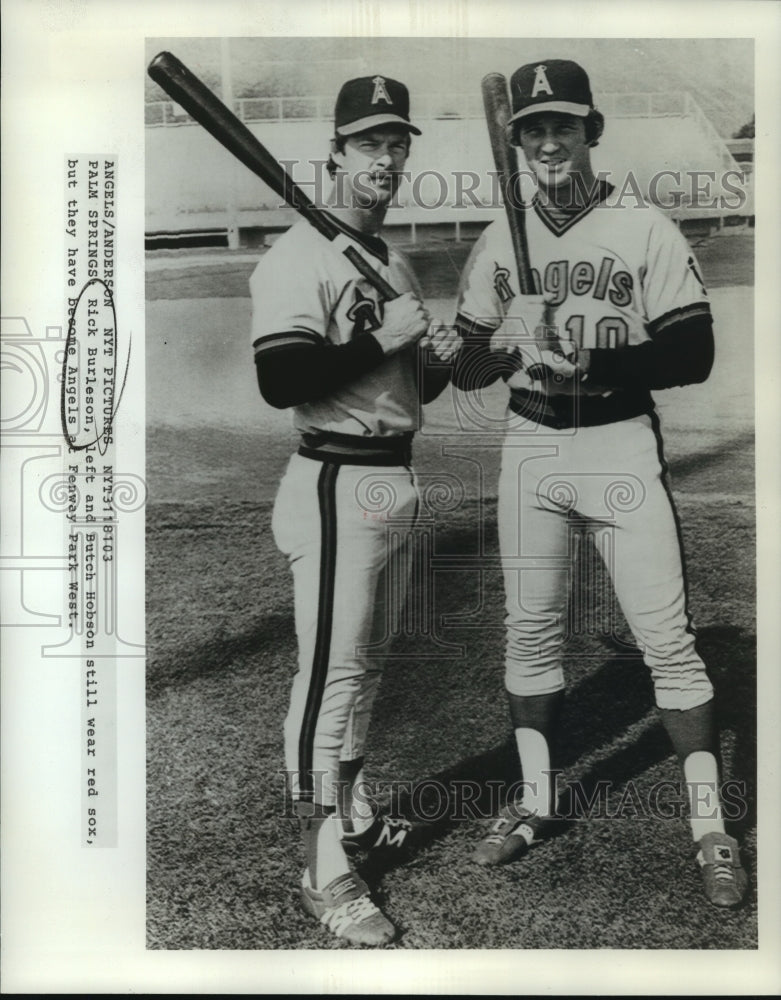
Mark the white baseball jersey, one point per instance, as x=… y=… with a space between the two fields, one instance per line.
x=617 y=273
x=305 y=290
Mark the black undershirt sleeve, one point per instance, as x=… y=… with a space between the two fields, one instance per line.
x=680 y=354
x=303 y=373
x=436 y=375
x=476 y=365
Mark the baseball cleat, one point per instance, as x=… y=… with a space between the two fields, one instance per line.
x=724 y=879
x=345 y=908
x=511 y=834
x=385 y=833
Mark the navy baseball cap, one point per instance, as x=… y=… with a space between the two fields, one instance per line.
x=370 y=101
x=550 y=85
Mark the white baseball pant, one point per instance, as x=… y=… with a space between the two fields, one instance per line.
x=345 y=530
x=613 y=475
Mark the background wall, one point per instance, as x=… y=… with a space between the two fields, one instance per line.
x=670 y=105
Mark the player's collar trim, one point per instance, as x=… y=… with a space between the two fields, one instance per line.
x=558 y=225
x=376 y=246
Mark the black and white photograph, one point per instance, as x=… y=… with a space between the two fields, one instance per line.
x=400 y=431
x=544 y=539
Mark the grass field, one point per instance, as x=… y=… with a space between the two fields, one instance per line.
x=223 y=861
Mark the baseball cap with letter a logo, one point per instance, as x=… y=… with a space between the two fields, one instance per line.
x=371 y=101
x=551 y=85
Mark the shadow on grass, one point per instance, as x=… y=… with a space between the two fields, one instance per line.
x=220 y=653
x=609 y=734
x=722 y=454
x=731 y=658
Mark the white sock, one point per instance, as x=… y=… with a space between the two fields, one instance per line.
x=535 y=767
x=701 y=772
x=331 y=859
x=361 y=811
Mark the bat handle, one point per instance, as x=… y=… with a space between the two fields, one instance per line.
x=374 y=279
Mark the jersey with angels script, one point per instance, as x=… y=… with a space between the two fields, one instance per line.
x=616 y=272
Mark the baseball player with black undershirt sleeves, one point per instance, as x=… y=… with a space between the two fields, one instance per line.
x=621 y=311
x=349 y=366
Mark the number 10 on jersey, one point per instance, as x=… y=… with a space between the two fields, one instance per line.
x=611 y=331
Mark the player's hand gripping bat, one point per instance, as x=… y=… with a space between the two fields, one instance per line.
x=208 y=110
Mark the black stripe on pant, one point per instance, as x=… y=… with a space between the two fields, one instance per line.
x=326 y=495
x=665 y=479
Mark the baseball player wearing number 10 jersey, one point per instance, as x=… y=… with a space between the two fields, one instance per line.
x=349 y=366
x=621 y=310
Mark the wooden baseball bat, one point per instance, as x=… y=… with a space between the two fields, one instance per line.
x=208 y=110
x=496 y=102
